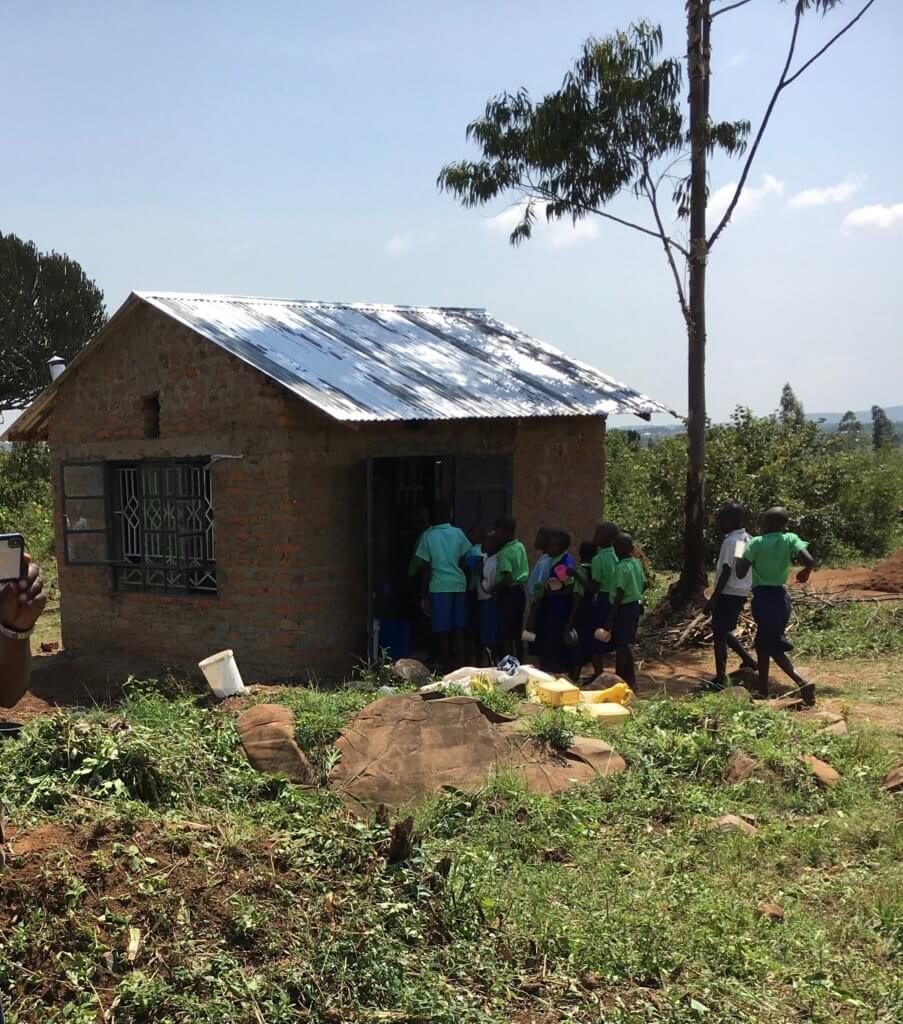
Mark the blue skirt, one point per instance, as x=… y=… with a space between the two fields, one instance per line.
x=488 y=622
x=601 y=611
x=771 y=612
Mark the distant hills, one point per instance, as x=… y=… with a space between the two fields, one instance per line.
x=831 y=419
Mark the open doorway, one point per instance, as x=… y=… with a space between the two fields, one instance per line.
x=400 y=493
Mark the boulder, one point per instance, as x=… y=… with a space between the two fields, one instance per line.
x=267 y=733
x=401 y=748
x=771 y=910
x=732 y=823
x=893 y=781
x=740 y=767
x=739 y=693
x=836 y=729
x=824 y=774
x=412 y=671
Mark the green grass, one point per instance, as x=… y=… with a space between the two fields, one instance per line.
x=258 y=901
x=849 y=630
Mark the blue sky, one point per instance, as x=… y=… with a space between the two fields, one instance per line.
x=291 y=149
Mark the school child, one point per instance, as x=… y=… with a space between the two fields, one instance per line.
x=769 y=556
x=730 y=592
x=582 y=609
x=602 y=573
x=511 y=570
x=486 y=603
x=538 y=576
x=442 y=549
x=554 y=607
x=626 y=593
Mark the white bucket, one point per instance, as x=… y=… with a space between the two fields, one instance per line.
x=222 y=674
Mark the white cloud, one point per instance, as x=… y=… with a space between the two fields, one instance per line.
x=399 y=244
x=751 y=198
x=885 y=218
x=839 y=193
x=557 y=234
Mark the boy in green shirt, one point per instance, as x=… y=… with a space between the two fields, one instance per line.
x=511 y=572
x=443 y=549
x=769 y=556
x=626 y=593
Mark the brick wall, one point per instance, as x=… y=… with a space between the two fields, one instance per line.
x=290 y=512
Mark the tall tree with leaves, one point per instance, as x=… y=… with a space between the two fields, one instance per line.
x=617 y=126
x=48 y=307
x=849 y=424
x=791 y=410
x=883 y=434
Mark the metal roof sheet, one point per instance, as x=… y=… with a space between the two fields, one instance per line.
x=361 y=363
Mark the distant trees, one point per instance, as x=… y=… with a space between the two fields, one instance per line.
x=792 y=413
x=883 y=434
x=48 y=307
x=849 y=424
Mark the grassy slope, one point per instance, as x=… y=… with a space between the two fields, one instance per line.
x=258 y=902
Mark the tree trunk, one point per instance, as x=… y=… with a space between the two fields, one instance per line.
x=693 y=575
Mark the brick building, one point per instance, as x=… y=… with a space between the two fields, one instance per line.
x=246 y=473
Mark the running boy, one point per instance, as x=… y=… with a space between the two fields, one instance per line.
x=626 y=594
x=730 y=593
x=770 y=557
x=442 y=549
x=511 y=574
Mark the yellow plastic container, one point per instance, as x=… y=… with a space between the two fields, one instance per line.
x=612 y=715
x=619 y=693
x=556 y=693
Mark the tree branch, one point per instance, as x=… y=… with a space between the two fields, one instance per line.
x=827 y=45
x=783 y=82
x=753 y=149
x=730 y=7
x=651 y=193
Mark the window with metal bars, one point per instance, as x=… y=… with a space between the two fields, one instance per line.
x=161 y=519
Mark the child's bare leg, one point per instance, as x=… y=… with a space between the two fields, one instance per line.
x=807 y=690
x=742 y=653
x=720 y=643
x=460 y=647
x=764 y=665
x=445 y=651
x=624 y=665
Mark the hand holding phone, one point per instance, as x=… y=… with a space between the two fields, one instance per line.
x=12 y=557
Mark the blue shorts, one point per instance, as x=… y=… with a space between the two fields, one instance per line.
x=771 y=610
x=726 y=612
x=601 y=612
x=624 y=627
x=448 y=612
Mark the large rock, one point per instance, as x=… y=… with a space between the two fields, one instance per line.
x=824 y=774
x=267 y=733
x=410 y=670
x=836 y=729
x=740 y=767
x=738 y=693
x=402 y=747
x=893 y=781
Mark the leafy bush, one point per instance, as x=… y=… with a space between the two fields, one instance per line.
x=26 y=496
x=843 y=500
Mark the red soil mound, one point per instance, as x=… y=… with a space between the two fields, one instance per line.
x=888 y=576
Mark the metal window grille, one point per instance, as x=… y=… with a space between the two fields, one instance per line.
x=163 y=529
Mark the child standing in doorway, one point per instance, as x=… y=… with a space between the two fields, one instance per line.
x=511 y=575
x=730 y=592
x=626 y=595
x=442 y=549
x=770 y=557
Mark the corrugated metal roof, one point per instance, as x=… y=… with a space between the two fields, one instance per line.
x=361 y=363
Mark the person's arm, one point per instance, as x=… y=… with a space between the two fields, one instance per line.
x=741 y=567
x=425 y=589
x=21 y=604
x=720 y=584
x=808 y=565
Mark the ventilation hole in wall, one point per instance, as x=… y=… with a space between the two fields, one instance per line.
x=150 y=408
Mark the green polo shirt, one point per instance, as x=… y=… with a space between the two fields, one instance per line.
x=771 y=556
x=604 y=564
x=586 y=569
x=630 y=578
x=443 y=547
x=513 y=558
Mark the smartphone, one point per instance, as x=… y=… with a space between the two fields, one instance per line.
x=12 y=557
